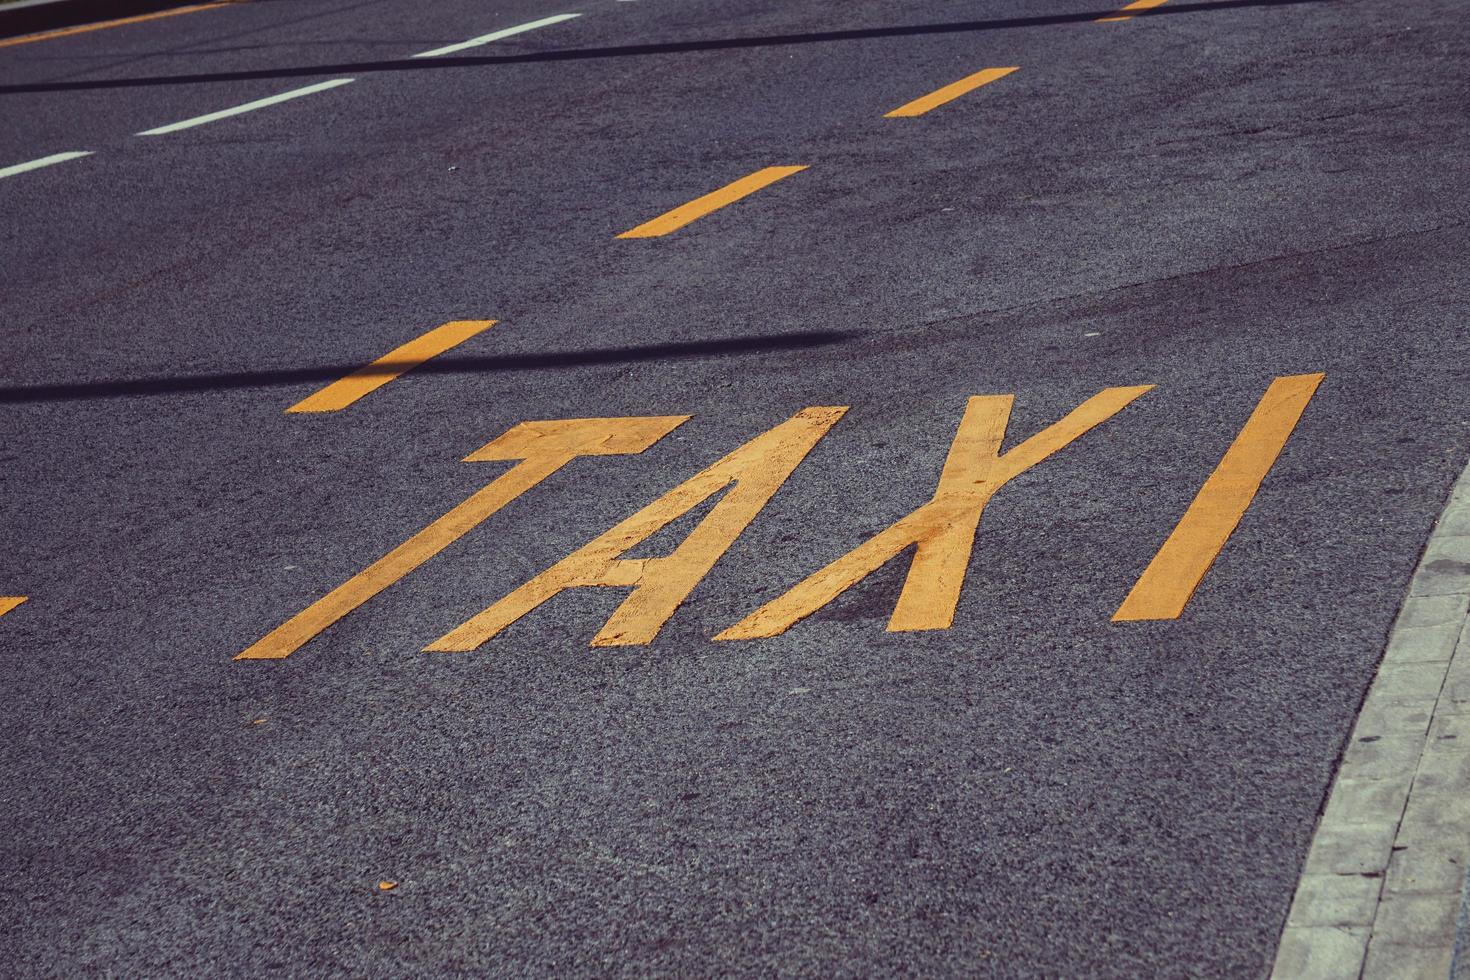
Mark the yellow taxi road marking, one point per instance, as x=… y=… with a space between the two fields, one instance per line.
x=9 y=602
x=542 y=448
x=1127 y=12
x=210 y=117
x=103 y=25
x=713 y=201
x=21 y=168
x=754 y=472
x=475 y=42
x=943 y=530
x=366 y=380
x=1165 y=587
x=948 y=93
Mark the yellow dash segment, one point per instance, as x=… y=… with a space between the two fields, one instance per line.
x=1127 y=12
x=713 y=201
x=9 y=602
x=103 y=25
x=364 y=381
x=1165 y=587
x=949 y=93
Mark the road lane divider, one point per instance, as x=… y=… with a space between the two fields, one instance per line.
x=475 y=42
x=753 y=473
x=948 y=93
x=247 y=107
x=54 y=158
x=1127 y=12
x=105 y=24
x=542 y=449
x=1165 y=587
x=713 y=201
x=942 y=531
x=9 y=602
x=394 y=364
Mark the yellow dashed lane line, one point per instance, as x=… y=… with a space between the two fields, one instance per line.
x=1127 y=12
x=948 y=93
x=713 y=201
x=105 y=24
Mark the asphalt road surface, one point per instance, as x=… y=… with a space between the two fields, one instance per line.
x=1000 y=778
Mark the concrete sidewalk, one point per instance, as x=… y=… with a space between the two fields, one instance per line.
x=1381 y=893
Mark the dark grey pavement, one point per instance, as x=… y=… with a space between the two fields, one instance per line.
x=1204 y=198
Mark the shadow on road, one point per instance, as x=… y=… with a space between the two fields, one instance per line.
x=162 y=385
x=634 y=50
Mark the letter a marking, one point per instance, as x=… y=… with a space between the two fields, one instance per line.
x=756 y=470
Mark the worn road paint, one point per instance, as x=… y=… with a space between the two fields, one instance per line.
x=21 y=168
x=756 y=470
x=948 y=93
x=713 y=201
x=542 y=447
x=366 y=380
x=1134 y=7
x=247 y=107
x=475 y=42
x=9 y=602
x=942 y=529
x=105 y=24
x=1165 y=587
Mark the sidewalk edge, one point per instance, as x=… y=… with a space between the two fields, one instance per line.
x=1380 y=894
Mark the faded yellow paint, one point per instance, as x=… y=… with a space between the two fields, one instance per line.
x=9 y=602
x=105 y=24
x=1127 y=12
x=713 y=201
x=1166 y=586
x=543 y=448
x=339 y=394
x=942 y=530
x=948 y=93
x=754 y=472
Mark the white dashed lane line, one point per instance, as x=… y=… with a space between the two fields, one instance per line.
x=475 y=42
x=323 y=86
x=247 y=107
x=21 y=168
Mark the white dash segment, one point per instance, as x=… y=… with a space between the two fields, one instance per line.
x=21 y=168
x=475 y=42
x=247 y=107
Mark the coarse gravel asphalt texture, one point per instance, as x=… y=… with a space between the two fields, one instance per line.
x=1204 y=198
